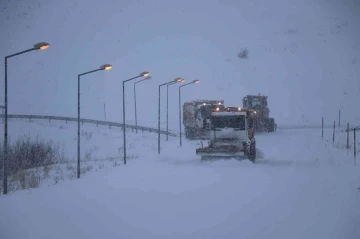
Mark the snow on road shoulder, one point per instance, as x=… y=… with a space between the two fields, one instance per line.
x=301 y=189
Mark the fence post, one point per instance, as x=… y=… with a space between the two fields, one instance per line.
x=347 y=136
x=322 y=127
x=334 y=132
x=354 y=142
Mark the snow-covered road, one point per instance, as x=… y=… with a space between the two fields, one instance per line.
x=302 y=188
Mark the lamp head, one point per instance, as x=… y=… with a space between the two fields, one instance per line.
x=106 y=67
x=179 y=80
x=41 y=46
x=145 y=74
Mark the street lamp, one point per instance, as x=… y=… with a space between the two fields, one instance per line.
x=167 y=107
x=147 y=78
x=177 y=80
x=143 y=74
x=37 y=46
x=105 y=67
x=193 y=82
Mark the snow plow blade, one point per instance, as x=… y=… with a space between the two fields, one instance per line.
x=221 y=152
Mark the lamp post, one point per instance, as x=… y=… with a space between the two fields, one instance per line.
x=143 y=74
x=147 y=78
x=2 y=111
x=193 y=82
x=103 y=67
x=177 y=80
x=37 y=46
x=167 y=109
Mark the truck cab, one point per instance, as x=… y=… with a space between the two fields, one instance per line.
x=262 y=120
x=231 y=135
x=203 y=114
x=196 y=117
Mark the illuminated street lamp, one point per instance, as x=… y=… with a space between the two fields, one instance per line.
x=105 y=67
x=37 y=46
x=147 y=78
x=193 y=82
x=167 y=107
x=143 y=74
x=177 y=80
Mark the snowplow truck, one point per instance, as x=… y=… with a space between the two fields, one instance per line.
x=259 y=105
x=232 y=135
x=196 y=117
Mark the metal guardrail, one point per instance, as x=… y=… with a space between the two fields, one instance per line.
x=91 y=121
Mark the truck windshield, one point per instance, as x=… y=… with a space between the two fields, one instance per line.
x=255 y=102
x=228 y=121
x=207 y=109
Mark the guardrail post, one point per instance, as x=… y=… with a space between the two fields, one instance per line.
x=132 y=129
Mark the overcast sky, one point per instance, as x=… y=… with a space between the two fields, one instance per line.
x=304 y=57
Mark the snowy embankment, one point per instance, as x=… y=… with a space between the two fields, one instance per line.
x=302 y=188
x=101 y=147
